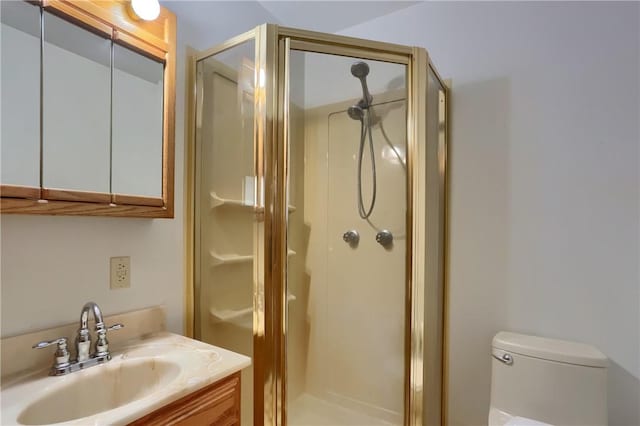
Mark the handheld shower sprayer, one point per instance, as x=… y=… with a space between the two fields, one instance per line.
x=360 y=70
x=362 y=112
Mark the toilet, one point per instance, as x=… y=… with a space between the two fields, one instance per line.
x=537 y=381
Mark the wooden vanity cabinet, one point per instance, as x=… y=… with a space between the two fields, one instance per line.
x=217 y=404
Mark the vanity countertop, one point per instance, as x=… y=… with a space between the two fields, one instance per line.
x=151 y=372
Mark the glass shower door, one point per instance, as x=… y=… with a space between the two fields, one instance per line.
x=346 y=284
x=227 y=241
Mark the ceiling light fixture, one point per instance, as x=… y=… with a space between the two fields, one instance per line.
x=147 y=10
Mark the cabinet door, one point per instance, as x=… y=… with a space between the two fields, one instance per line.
x=76 y=107
x=136 y=149
x=20 y=129
x=217 y=404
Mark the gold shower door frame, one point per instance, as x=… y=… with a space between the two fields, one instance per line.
x=425 y=381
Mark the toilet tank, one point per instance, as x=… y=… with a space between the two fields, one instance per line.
x=549 y=380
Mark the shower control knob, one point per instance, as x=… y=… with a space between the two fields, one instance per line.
x=351 y=237
x=384 y=238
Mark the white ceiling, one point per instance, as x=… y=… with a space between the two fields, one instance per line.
x=204 y=23
x=330 y=16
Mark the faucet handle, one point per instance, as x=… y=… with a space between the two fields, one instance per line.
x=114 y=327
x=102 y=344
x=60 y=341
x=62 y=353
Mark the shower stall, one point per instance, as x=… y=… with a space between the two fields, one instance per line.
x=316 y=176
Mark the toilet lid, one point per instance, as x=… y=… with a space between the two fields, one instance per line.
x=549 y=349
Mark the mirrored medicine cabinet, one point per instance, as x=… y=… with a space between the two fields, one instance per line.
x=88 y=113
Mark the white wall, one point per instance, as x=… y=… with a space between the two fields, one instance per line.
x=544 y=181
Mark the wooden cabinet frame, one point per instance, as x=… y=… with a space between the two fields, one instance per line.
x=217 y=404
x=156 y=39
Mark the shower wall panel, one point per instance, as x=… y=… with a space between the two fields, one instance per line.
x=356 y=316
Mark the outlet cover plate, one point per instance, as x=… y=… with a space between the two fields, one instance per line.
x=120 y=272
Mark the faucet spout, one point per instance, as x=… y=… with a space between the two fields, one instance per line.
x=97 y=316
x=83 y=341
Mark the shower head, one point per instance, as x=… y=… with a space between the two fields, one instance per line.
x=355 y=113
x=360 y=70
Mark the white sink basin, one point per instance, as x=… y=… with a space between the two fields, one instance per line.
x=100 y=389
x=144 y=376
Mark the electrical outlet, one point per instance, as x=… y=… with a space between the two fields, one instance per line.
x=120 y=272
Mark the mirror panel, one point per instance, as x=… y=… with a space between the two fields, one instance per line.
x=20 y=128
x=136 y=124
x=76 y=107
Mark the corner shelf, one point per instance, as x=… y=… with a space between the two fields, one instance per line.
x=216 y=201
x=229 y=315
x=229 y=259
x=240 y=317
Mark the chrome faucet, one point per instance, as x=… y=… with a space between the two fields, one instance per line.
x=84 y=359
x=83 y=340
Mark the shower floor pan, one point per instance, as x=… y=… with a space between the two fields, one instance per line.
x=308 y=410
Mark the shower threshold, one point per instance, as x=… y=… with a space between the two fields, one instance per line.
x=308 y=410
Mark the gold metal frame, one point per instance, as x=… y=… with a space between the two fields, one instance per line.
x=444 y=136
x=189 y=196
x=416 y=166
x=424 y=371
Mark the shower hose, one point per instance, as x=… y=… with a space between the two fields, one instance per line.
x=365 y=129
